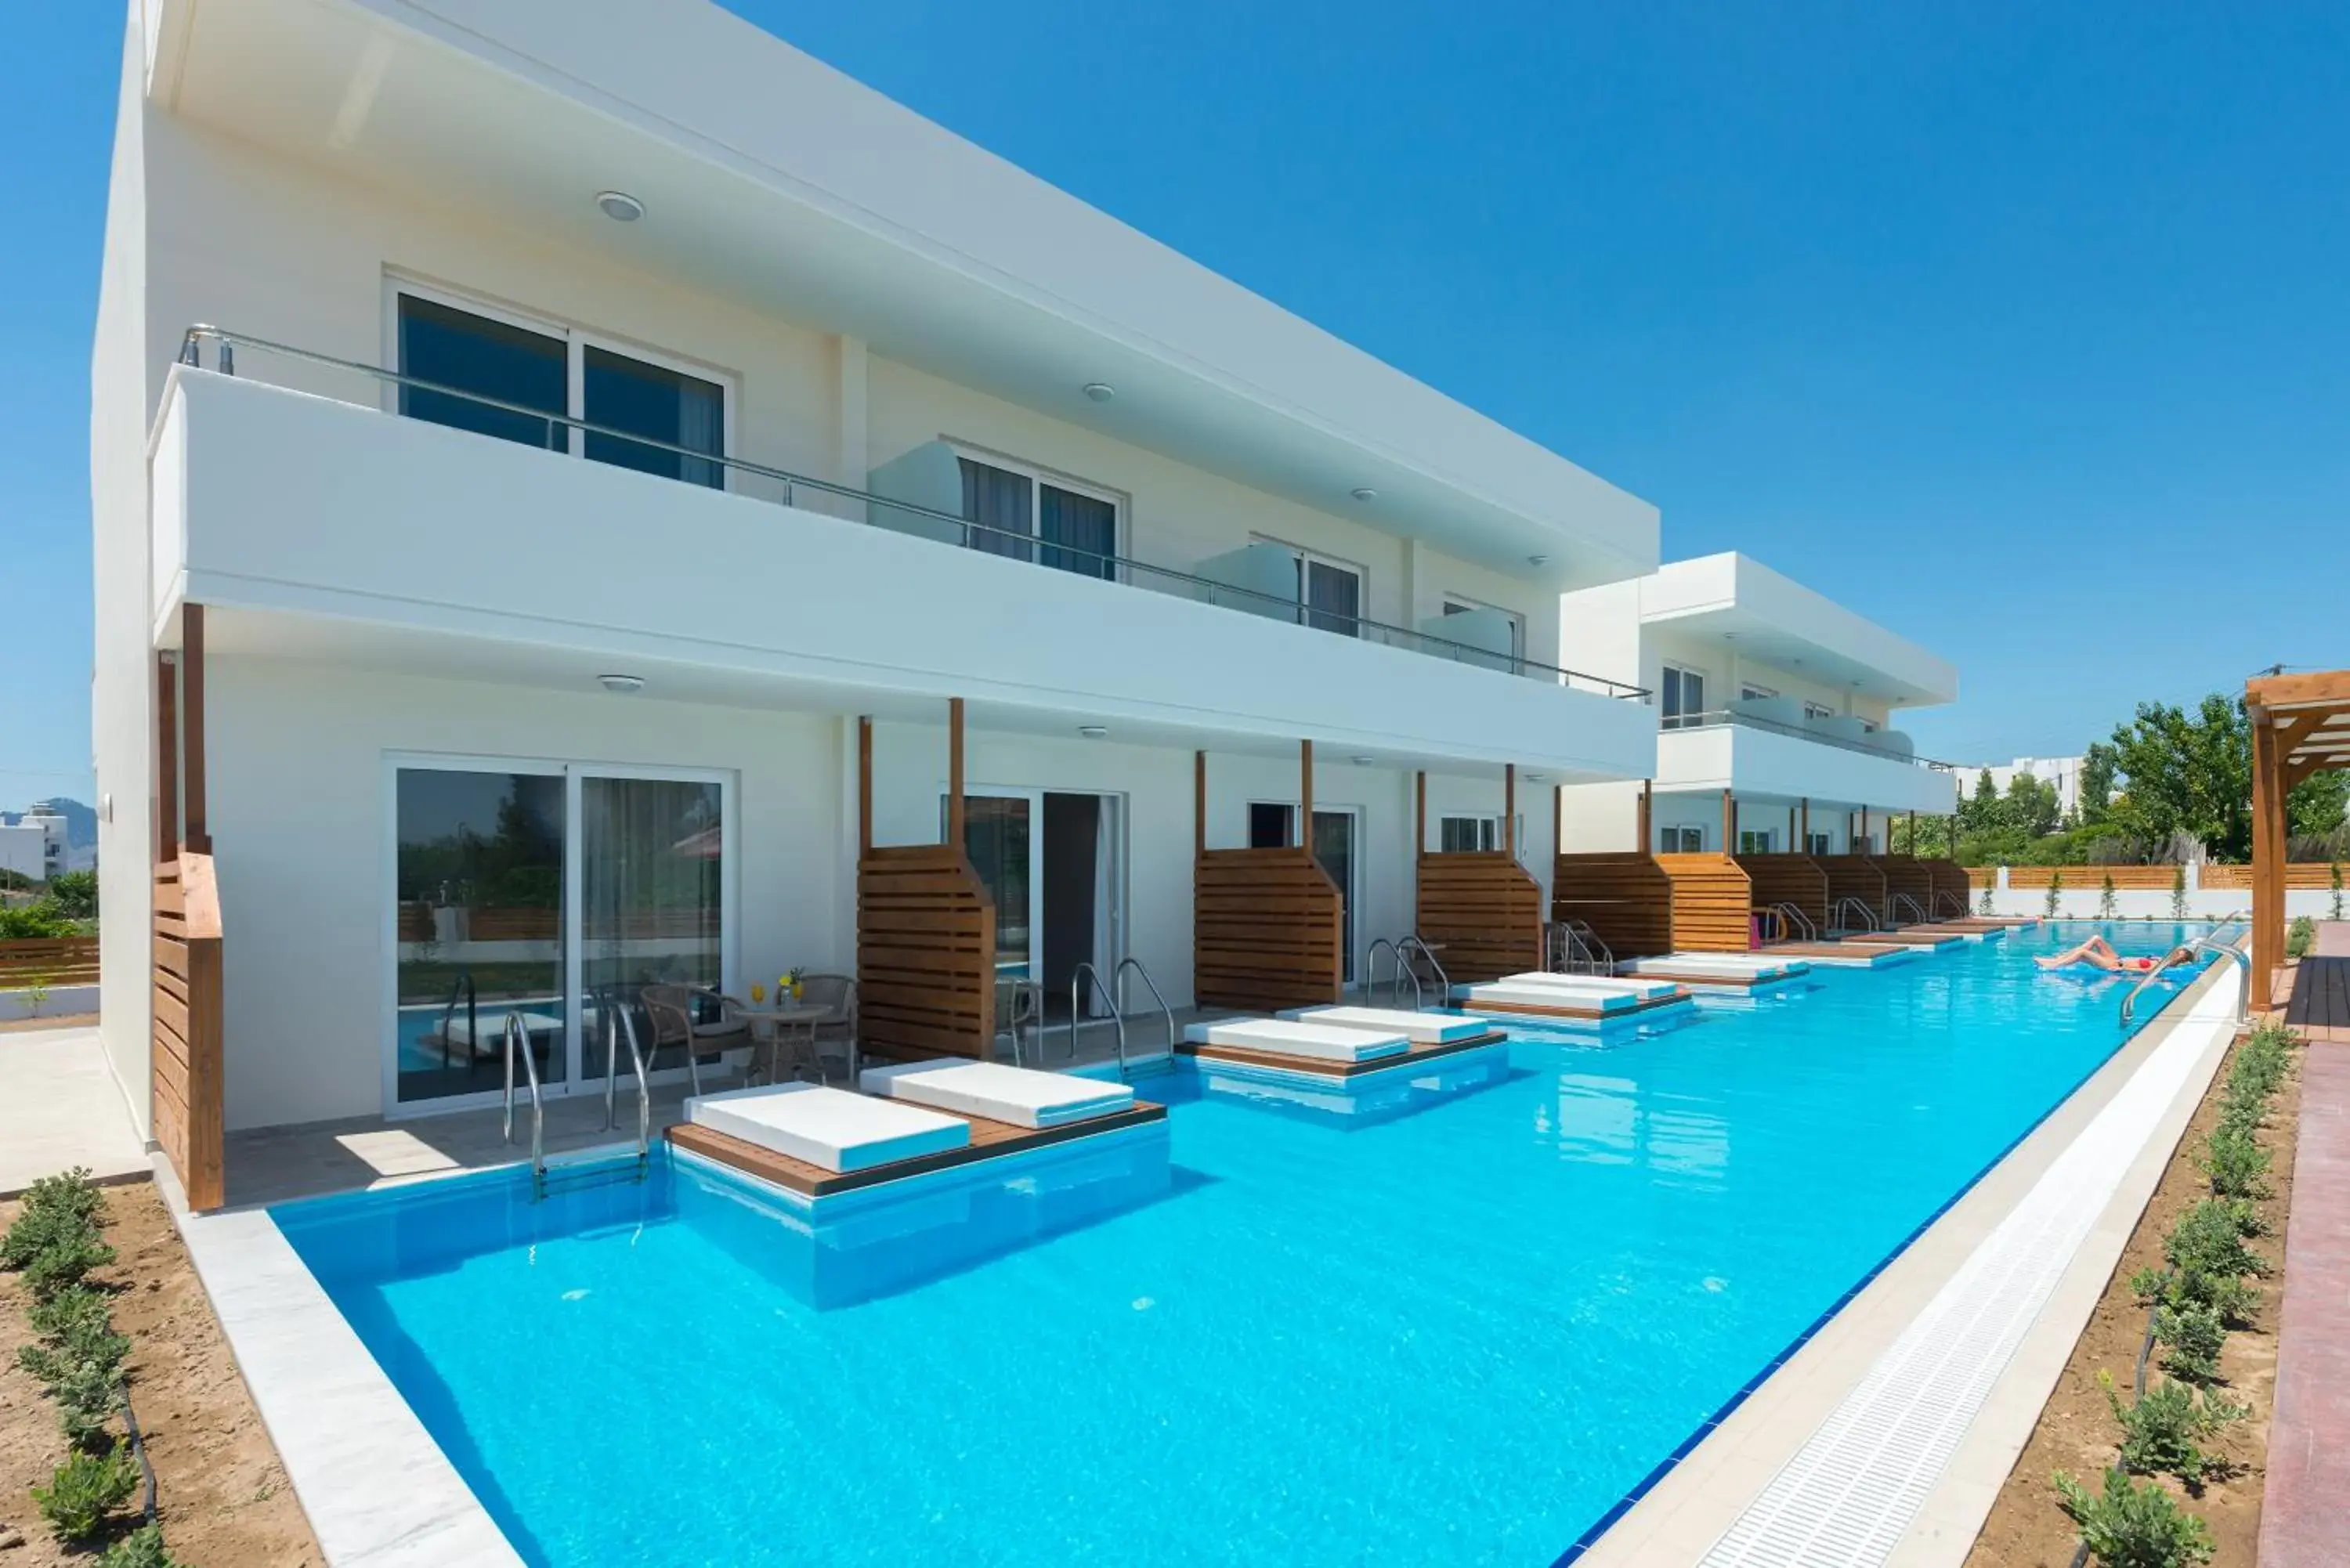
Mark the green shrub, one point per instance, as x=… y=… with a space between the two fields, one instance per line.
x=2209 y=1240
x=2056 y=891
x=64 y=1263
x=2193 y=1335
x=2179 y=892
x=2134 y=1525
x=1983 y=906
x=75 y=1311
x=2300 y=936
x=2334 y=880
x=2105 y=897
x=2235 y=1299
x=2162 y=1430
x=85 y=1490
x=2236 y=1165
x=143 y=1548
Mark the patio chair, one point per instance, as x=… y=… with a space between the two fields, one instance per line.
x=671 y=1009
x=837 y=993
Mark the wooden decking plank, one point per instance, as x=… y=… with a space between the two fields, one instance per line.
x=989 y=1140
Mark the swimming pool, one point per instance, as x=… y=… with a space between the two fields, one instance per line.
x=1459 y=1331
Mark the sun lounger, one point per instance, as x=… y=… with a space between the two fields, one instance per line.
x=1020 y=1096
x=1734 y=966
x=1420 y=1028
x=832 y=1128
x=1630 y=985
x=1311 y=1042
x=1507 y=996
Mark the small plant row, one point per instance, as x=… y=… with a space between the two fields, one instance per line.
x=2205 y=1288
x=56 y=1242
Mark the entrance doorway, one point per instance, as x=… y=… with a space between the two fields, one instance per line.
x=1053 y=862
x=1272 y=825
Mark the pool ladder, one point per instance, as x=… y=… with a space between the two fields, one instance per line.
x=1106 y=990
x=2210 y=944
x=1576 y=949
x=1793 y=924
x=1917 y=910
x=1399 y=952
x=1840 y=917
x=517 y=1043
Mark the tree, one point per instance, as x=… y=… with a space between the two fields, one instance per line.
x=2192 y=774
x=2097 y=768
x=76 y=893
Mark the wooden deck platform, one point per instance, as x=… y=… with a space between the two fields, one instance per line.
x=2317 y=1008
x=1719 y=982
x=1581 y=1015
x=989 y=1140
x=1339 y=1071
x=1854 y=950
x=1918 y=936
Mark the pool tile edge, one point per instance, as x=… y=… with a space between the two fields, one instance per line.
x=377 y=1490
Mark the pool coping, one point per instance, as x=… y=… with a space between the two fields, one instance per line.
x=1686 y=1505
x=377 y=1489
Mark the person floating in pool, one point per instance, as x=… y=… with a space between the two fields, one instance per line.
x=2098 y=953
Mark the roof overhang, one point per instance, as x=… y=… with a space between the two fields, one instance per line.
x=773 y=181
x=2311 y=717
x=1760 y=614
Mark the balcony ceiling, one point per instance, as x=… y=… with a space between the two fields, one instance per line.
x=772 y=181
x=1736 y=604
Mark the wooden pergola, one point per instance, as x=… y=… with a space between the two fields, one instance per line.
x=2300 y=726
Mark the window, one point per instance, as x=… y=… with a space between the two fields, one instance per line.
x=1455 y=835
x=1757 y=840
x=1683 y=840
x=559 y=370
x=1455 y=604
x=1818 y=844
x=1868 y=726
x=1818 y=710
x=1751 y=692
x=1684 y=696
x=1026 y=515
x=1329 y=592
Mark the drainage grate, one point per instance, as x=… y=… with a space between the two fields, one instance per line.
x=1852 y=1490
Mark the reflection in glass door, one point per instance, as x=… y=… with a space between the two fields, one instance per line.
x=652 y=912
x=479 y=885
x=1272 y=825
x=999 y=835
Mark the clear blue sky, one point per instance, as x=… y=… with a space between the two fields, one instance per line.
x=2024 y=330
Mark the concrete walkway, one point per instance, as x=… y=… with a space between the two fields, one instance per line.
x=59 y=1107
x=2303 y=1521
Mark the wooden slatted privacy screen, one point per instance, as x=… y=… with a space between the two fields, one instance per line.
x=1714 y=904
x=1795 y=879
x=59 y=961
x=925 y=953
x=2127 y=879
x=1267 y=930
x=1483 y=910
x=2307 y=875
x=1908 y=876
x=1952 y=880
x=1981 y=877
x=1626 y=897
x=1854 y=876
x=184 y=1064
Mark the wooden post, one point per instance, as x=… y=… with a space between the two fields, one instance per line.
x=1792 y=840
x=1198 y=804
x=1806 y=841
x=1728 y=823
x=196 y=831
x=864 y=786
x=1418 y=813
x=1913 y=833
x=1305 y=794
x=2267 y=875
x=1648 y=811
x=1510 y=809
x=954 y=772
x=167 y=758
x=1557 y=820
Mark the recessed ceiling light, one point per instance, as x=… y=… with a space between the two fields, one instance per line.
x=1364 y=492
x=1362 y=762
x=1533 y=778
x=1537 y=560
x=1730 y=637
x=1094 y=732
x=620 y=206
x=621 y=685
x=1100 y=391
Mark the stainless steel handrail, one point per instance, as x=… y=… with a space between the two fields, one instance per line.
x=1022 y=545
x=1916 y=909
x=2195 y=944
x=1443 y=981
x=1568 y=937
x=613 y=1007
x=465 y=988
x=518 y=1037
x=1792 y=914
x=1370 y=982
x=1868 y=922
x=1130 y=962
x=1078 y=978
x=1714 y=716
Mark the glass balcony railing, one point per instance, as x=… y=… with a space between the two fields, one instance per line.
x=560 y=433
x=1891 y=744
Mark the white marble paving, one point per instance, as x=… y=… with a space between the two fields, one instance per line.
x=60 y=1108
x=377 y=1490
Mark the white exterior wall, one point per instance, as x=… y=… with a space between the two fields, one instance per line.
x=1725 y=671
x=24 y=849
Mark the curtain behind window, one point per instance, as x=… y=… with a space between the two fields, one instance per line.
x=1334 y=599
x=1079 y=532
x=999 y=502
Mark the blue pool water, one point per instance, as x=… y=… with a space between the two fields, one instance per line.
x=1458 y=1333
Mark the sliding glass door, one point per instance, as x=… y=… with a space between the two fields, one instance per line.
x=553 y=894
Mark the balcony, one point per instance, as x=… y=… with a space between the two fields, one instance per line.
x=314 y=512
x=1751 y=751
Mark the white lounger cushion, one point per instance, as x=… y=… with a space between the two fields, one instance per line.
x=1719 y=963
x=1629 y=985
x=1287 y=1037
x=1420 y=1028
x=1502 y=996
x=1020 y=1096
x=828 y=1127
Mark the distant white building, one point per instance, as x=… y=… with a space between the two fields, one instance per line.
x=2064 y=773
x=22 y=850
